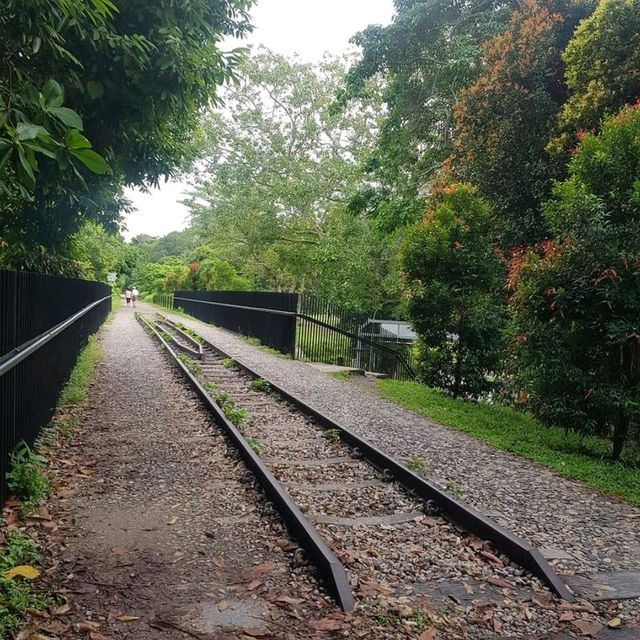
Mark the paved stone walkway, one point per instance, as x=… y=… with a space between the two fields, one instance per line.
x=581 y=531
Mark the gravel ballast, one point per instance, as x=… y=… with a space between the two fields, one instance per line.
x=593 y=532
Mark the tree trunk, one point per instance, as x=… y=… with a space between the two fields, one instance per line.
x=457 y=374
x=620 y=431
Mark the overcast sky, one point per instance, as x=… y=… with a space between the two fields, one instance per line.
x=306 y=27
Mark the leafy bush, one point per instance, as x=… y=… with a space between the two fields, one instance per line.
x=576 y=339
x=26 y=478
x=453 y=278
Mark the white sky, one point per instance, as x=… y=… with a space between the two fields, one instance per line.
x=306 y=27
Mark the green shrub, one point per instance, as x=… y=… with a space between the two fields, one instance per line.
x=453 y=281
x=26 y=478
x=576 y=335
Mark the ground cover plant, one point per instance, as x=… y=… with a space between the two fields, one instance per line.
x=575 y=456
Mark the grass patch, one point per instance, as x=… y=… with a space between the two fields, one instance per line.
x=339 y=375
x=26 y=478
x=571 y=455
x=17 y=595
x=77 y=387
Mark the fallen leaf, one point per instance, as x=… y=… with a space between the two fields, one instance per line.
x=127 y=618
x=254 y=584
x=86 y=625
x=172 y=520
x=97 y=636
x=218 y=561
x=289 y=600
x=325 y=624
x=118 y=551
x=588 y=628
x=614 y=623
x=24 y=571
x=429 y=634
x=62 y=609
x=223 y=605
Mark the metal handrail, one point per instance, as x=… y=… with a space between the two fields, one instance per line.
x=295 y=314
x=17 y=355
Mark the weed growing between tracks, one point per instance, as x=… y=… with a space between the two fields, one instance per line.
x=567 y=454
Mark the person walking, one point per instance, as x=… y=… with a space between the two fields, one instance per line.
x=127 y=296
x=135 y=294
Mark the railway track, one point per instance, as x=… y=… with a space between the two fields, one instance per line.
x=372 y=528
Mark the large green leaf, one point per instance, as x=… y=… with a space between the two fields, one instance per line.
x=95 y=89
x=25 y=170
x=90 y=159
x=67 y=116
x=73 y=139
x=53 y=94
x=30 y=131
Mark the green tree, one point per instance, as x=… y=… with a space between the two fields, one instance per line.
x=132 y=77
x=280 y=163
x=505 y=118
x=424 y=59
x=602 y=68
x=577 y=305
x=453 y=277
x=98 y=251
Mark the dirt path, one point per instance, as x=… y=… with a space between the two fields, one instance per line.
x=161 y=533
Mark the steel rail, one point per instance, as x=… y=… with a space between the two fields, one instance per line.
x=469 y=518
x=194 y=350
x=304 y=316
x=329 y=567
x=22 y=352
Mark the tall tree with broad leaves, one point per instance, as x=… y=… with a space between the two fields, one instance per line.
x=281 y=165
x=504 y=119
x=425 y=57
x=96 y=95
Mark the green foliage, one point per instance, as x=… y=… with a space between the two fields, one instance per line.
x=192 y=365
x=26 y=478
x=260 y=384
x=135 y=78
x=254 y=444
x=17 y=596
x=77 y=387
x=602 y=61
x=423 y=59
x=577 y=305
x=281 y=165
x=504 y=119
x=229 y=363
x=453 y=277
x=335 y=435
x=416 y=464
x=568 y=454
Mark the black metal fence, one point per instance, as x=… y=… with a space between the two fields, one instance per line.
x=45 y=322
x=303 y=326
x=273 y=321
x=332 y=334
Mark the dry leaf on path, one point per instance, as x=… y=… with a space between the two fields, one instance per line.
x=24 y=571
x=614 y=623
x=256 y=633
x=429 y=634
x=326 y=624
x=223 y=605
x=172 y=520
x=588 y=628
x=98 y=636
x=289 y=600
x=218 y=561
x=127 y=618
